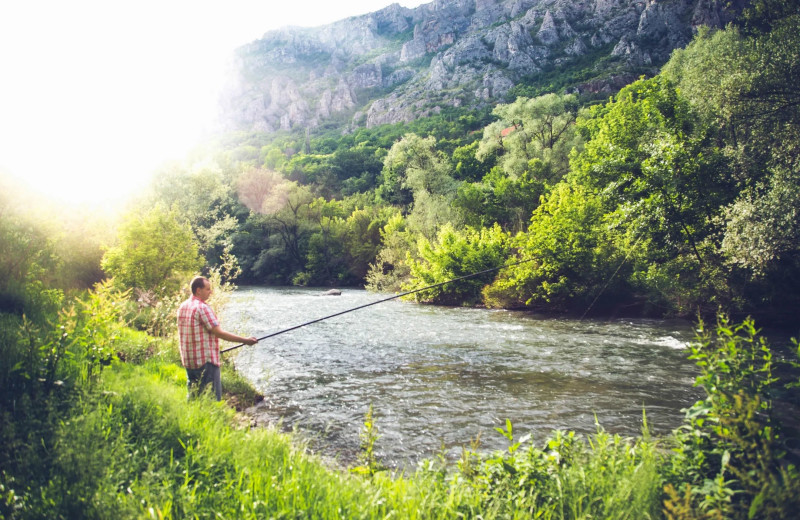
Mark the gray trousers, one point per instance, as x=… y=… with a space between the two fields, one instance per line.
x=201 y=377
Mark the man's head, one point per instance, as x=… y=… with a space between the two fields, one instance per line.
x=201 y=287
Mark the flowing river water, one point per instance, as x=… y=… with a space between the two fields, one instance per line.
x=437 y=377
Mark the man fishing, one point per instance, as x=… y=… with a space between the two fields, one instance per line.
x=199 y=332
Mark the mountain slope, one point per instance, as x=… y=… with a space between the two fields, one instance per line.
x=398 y=64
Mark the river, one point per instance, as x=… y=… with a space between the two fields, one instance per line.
x=437 y=377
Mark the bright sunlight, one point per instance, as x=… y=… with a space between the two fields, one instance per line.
x=96 y=95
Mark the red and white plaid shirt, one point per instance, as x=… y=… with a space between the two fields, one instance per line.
x=198 y=345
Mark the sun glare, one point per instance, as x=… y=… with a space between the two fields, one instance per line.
x=97 y=95
x=94 y=108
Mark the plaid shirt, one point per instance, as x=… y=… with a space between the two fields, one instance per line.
x=198 y=345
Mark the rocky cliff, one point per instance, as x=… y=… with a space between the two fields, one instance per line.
x=398 y=64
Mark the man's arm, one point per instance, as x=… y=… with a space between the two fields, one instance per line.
x=229 y=336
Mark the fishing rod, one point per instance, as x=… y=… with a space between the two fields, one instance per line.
x=472 y=275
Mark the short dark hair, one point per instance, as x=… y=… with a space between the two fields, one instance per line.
x=198 y=282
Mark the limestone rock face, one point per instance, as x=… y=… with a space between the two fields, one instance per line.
x=398 y=64
x=548 y=32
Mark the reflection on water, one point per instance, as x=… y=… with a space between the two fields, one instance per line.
x=440 y=376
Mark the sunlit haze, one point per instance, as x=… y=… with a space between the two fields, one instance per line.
x=96 y=95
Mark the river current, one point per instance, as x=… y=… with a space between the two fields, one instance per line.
x=437 y=377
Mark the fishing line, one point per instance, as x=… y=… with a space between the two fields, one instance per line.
x=472 y=275
x=609 y=280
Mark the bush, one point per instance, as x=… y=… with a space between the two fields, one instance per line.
x=456 y=254
x=568 y=255
x=603 y=476
x=729 y=457
x=156 y=251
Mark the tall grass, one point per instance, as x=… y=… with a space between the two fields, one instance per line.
x=618 y=478
x=155 y=454
x=602 y=476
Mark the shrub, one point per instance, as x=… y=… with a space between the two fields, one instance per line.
x=729 y=457
x=456 y=254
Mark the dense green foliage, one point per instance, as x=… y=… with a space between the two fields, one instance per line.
x=731 y=457
x=45 y=253
x=567 y=250
x=156 y=252
x=456 y=254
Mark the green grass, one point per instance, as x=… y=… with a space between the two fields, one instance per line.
x=153 y=454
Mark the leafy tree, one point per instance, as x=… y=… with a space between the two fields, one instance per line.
x=259 y=248
x=341 y=251
x=79 y=245
x=427 y=169
x=432 y=211
x=466 y=165
x=205 y=197
x=763 y=229
x=290 y=221
x=646 y=154
x=272 y=158
x=262 y=191
x=413 y=165
x=355 y=170
x=362 y=241
x=391 y=269
x=45 y=251
x=392 y=189
x=27 y=262
x=773 y=98
x=701 y=72
x=156 y=252
x=762 y=238
x=456 y=254
x=474 y=202
x=541 y=128
x=286 y=205
x=414 y=168
x=21 y=248
x=325 y=252
x=567 y=256
x=530 y=143
x=764 y=15
x=745 y=83
x=502 y=199
x=245 y=154
x=311 y=170
x=354 y=162
x=747 y=88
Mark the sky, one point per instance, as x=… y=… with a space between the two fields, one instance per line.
x=96 y=95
